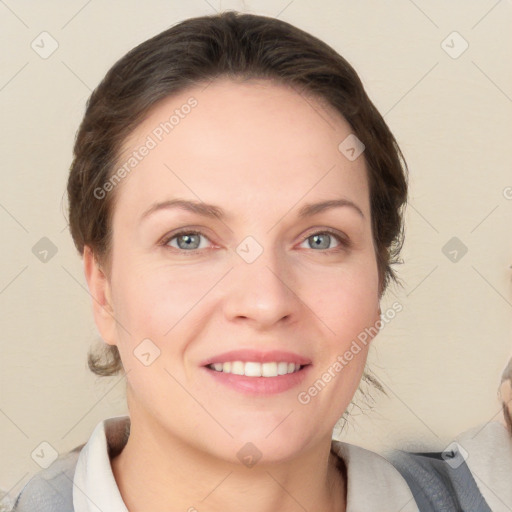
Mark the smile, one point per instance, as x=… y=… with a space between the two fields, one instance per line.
x=255 y=369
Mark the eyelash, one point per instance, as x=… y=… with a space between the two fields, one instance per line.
x=345 y=243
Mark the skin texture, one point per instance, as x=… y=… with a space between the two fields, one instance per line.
x=260 y=151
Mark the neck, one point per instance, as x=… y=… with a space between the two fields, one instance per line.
x=163 y=474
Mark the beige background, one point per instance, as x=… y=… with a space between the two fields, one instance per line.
x=440 y=358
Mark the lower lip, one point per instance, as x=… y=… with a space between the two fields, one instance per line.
x=260 y=385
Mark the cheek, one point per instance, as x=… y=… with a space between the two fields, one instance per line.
x=345 y=302
x=151 y=299
x=152 y=308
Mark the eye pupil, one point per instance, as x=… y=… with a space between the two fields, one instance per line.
x=317 y=240
x=188 y=240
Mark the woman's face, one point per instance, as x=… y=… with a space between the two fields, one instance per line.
x=261 y=283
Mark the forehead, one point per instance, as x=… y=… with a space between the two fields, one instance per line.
x=254 y=141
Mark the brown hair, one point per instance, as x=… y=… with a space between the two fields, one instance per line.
x=196 y=51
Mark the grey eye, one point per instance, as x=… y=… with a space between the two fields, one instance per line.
x=186 y=240
x=320 y=240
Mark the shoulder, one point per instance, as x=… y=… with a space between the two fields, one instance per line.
x=388 y=489
x=51 y=489
x=487 y=449
x=472 y=473
x=440 y=480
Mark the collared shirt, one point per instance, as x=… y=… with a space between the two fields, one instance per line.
x=373 y=484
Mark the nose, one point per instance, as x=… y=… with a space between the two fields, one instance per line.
x=263 y=292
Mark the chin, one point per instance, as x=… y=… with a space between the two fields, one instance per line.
x=273 y=444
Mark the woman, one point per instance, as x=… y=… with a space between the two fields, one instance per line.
x=237 y=200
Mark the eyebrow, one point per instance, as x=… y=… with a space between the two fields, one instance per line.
x=212 y=211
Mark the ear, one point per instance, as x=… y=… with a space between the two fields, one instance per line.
x=100 y=290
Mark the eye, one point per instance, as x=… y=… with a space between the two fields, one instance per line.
x=189 y=241
x=322 y=240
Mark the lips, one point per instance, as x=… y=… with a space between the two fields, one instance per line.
x=256 y=372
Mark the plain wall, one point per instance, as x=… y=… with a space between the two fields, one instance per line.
x=440 y=358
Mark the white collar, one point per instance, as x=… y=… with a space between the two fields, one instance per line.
x=94 y=486
x=373 y=483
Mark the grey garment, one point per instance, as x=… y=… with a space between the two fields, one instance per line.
x=440 y=481
x=438 y=484
x=51 y=489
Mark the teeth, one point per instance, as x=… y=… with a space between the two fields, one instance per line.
x=237 y=367
x=253 y=369
x=269 y=369
x=282 y=368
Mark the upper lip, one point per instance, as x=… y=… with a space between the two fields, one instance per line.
x=257 y=356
